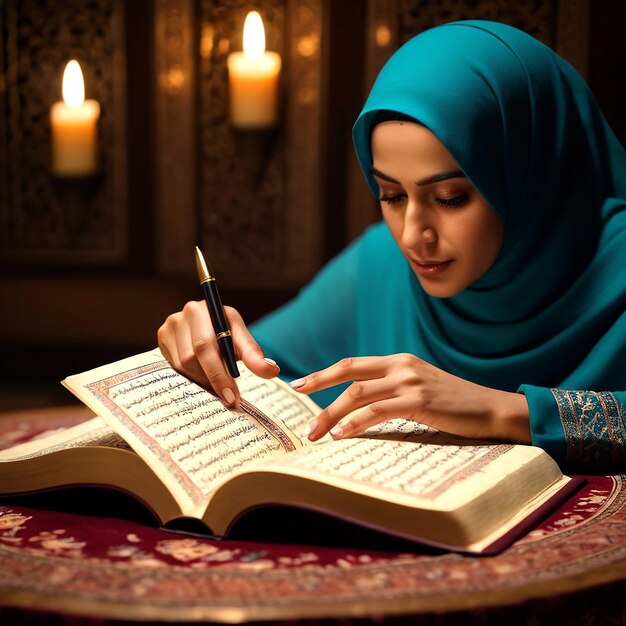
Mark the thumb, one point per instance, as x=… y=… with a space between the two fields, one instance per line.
x=248 y=350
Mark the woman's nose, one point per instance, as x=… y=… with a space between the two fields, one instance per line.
x=418 y=228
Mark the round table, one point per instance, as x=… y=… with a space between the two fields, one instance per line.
x=104 y=563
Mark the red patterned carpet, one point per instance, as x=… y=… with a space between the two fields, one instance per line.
x=67 y=563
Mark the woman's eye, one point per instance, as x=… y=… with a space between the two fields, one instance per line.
x=390 y=199
x=451 y=202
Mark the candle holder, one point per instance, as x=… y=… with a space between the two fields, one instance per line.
x=75 y=194
x=254 y=147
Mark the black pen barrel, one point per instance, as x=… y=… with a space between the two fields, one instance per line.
x=220 y=325
x=228 y=352
x=214 y=303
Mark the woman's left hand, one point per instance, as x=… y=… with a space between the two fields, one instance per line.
x=404 y=386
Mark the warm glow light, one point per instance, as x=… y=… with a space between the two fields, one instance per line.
x=253 y=35
x=383 y=35
x=73 y=84
x=253 y=79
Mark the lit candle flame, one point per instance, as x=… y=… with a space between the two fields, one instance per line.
x=253 y=35
x=73 y=84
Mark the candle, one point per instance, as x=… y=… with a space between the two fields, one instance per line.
x=253 y=79
x=74 y=127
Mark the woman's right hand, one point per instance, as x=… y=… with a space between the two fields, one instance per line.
x=188 y=342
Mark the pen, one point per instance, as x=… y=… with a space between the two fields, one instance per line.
x=216 y=311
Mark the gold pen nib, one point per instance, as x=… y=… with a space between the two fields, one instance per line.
x=204 y=272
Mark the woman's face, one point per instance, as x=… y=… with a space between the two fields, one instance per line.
x=443 y=226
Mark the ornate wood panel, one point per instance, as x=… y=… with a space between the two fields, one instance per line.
x=242 y=210
x=175 y=137
x=257 y=194
x=42 y=219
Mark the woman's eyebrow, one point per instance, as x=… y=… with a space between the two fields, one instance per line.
x=379 y=174
x=422 y=182
x=435 y=178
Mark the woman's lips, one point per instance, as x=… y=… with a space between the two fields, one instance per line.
x=430 y=268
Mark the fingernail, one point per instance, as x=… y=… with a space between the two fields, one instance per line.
x=312 y=428
x=228 y=395
x=336 y=431
x=270 y=361
x=296 y=384
x=306 y=431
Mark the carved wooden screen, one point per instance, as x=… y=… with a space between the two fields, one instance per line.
x=259 y=226
x=41 y=220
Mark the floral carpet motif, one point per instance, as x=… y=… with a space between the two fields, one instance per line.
x=107 y=566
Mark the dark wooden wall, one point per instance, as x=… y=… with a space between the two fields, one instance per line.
x=59 y=316
x=607 y=60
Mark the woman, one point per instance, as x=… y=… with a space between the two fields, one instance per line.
x=492 y=296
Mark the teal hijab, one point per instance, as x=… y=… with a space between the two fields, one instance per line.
x=525 y=129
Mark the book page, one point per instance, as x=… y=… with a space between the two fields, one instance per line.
x=182 y=431
x=94 y=432
x=405 y=477
x=410 y=461
x=279 y=401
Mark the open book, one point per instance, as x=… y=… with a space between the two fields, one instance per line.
x=176 y=448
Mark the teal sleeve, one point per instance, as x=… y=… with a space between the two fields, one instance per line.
x=545 y=426
x=317 y=328
x=583 y=431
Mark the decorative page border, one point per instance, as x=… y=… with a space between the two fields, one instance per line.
x=267 y=423
x=101 y=389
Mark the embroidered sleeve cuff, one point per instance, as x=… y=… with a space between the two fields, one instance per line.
x=591 y=425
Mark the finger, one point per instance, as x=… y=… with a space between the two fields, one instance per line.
x=356 y=396
x=163 y=339
x=188 y=360
x=180 y=342
x=374 y=413
x=176 y=344
x=166 y=337
x=249 y=351
x=204 y=349
x=351 y=368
